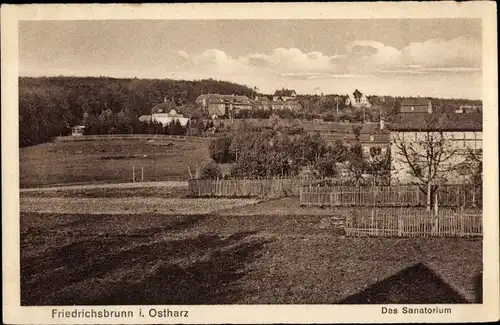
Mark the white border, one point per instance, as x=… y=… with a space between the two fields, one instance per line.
x=243 y=314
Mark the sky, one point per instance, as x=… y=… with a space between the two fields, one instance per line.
x=403 y=57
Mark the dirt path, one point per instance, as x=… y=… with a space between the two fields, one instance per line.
x=116 y=185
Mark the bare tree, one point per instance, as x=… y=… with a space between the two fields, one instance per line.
x=428 y=154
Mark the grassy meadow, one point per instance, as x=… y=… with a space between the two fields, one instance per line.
x=76 y=162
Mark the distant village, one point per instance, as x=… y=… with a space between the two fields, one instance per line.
x=461 y=127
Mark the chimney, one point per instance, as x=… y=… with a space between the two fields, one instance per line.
x=429 y=108
x=382 y=123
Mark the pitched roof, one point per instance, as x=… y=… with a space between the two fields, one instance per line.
x=216 y=98
x=263 y=99
x=284 y=92
x=145 y=118
x=164 y=107
x=357 y=93
x=372 y=128
x=436 y=122
x=415 y=102
x=174 y=113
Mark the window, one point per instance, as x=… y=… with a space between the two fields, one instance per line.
x=372 y=137
x=413 y=108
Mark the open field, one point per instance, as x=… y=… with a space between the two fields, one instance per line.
x=157 y=259
x=153 y=245
x=130 y=205
x=140 y=189
x=109 y=161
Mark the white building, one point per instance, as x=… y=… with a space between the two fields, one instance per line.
x=171 y=117
x=165 y=113
x=77 y=130
x=357 y=99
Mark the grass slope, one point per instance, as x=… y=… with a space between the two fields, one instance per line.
x=108 y=161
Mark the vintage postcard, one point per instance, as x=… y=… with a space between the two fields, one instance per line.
x=250 y=163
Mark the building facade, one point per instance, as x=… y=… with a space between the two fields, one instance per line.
x=445 y=142
x=165 y=113
x=416 y=105
x=217 y=105
x=77 y=130
x=357 y=100
x=293 y=105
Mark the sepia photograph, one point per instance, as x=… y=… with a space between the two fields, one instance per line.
x=270 y=161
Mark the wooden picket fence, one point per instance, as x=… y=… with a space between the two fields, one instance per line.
x=262 y=188
x=402 y=195
x=454 y=195
x=458 y=195
x=412 y=222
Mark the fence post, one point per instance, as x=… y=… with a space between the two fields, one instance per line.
x=436 y=208
x=400 y=226
x=142 y=174
x=133 y=173
x=462 y=222
x=372 y=226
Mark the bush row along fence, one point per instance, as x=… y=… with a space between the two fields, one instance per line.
x=264 y=188
x=399 y=195
x=130 y=137
x=408 y=222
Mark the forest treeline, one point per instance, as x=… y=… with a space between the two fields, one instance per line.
x=49 y=106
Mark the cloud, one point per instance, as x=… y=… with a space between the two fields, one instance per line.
x=359 y=57
x=455 y=55
x=292 y=60
x=358 y=61
x=374 y=53
x=461 y=52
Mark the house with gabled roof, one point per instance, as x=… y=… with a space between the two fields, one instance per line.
x=357 y=100
x=165 y=113
x=284 y=95
x=416 y=105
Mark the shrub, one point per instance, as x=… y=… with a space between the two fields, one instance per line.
x=219 y=150
x=209 y=170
